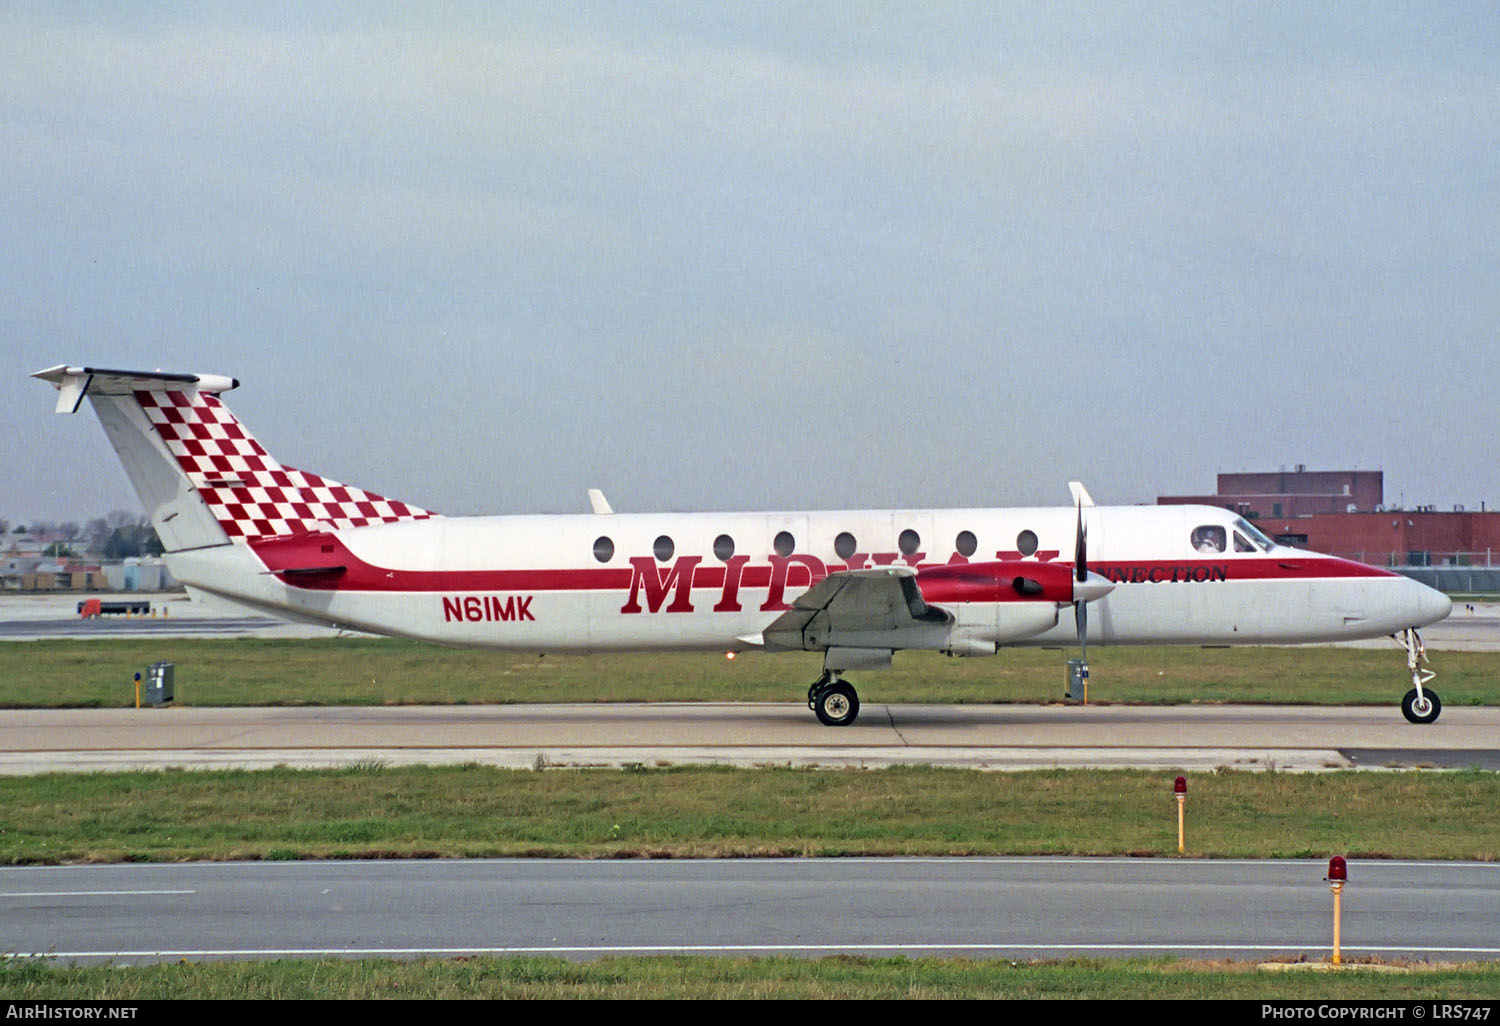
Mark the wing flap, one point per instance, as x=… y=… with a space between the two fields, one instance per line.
x=865 y=609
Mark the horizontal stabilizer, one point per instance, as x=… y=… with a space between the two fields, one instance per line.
x=73 y=383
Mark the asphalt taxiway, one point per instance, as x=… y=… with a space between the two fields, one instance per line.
x=580 y=909
x=993 y=737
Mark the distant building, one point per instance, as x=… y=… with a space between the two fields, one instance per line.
x=1395 y=537
x=29 y=562
x=64 y=577
x=1343 y=513
x=139 y=573
x=1294 y=493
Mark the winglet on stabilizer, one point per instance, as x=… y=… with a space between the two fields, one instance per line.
x=599 y=502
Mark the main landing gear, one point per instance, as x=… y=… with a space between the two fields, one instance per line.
x=833 y=699
x=1420 y=705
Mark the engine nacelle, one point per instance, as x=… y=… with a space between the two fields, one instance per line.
x=979 y=627
x=1015 y=621
x=966 y=645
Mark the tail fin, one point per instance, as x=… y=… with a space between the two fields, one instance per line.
x=204 y=479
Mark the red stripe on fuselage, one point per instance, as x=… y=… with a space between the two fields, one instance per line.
x=1242 y=568
x=323 y=549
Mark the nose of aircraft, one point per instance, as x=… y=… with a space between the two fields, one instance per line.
x=1429 y=604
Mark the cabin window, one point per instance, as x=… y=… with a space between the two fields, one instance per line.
x=1026 y=542
x=663 y=548
x=604 y=549
x=784 y=544
x=844 y=545
x=724 y=547
x=909 y=542
x=1208 y=538
x=966 y=543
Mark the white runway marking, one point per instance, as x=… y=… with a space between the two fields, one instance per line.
x=87 y=894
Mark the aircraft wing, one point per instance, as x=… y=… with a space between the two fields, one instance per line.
x=869 y=609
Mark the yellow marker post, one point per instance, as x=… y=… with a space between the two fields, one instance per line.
x=1338 y=875
x=137 y=690
x=1179 y=788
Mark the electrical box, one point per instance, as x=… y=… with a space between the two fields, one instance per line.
x=159 y=683
x=1078 y=679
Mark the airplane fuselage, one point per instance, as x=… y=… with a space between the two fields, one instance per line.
x=715 y=581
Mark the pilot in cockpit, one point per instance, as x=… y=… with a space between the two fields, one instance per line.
x=1209 y=538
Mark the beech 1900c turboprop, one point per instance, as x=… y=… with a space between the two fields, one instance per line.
x=853 y=585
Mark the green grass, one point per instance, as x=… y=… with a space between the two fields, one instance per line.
x=683 y=977
x=360 y=671
x=471 y=811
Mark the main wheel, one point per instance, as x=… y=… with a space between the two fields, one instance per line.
x=1424 y=710
x=836 y=705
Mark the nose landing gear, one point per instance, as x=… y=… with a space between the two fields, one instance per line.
x=833 y=699
x=1420 y=704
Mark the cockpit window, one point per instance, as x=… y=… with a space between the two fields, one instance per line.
x=1209 y=538
x=1260 y=541
x=1241 y=545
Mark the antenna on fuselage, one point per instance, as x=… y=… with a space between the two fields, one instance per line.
x=599 y=503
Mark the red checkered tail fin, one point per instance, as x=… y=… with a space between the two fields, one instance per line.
x=202 y=476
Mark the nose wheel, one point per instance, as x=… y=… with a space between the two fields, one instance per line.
x=1420 y=704
x=833 y=700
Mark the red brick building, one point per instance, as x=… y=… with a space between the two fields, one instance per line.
x=1395 y=537
x=1292 y=493
x=1342 y=512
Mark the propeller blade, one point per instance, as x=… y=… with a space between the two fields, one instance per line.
x=1081 y=549
x=1081 y=574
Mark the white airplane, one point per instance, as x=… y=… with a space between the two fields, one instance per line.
x=855 y=585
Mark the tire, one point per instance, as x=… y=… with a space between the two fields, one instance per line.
x=1425 y=712
x=836 y=705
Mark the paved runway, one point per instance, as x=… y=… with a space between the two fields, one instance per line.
x=996 y=737
x=985 y=908
x=35 y=617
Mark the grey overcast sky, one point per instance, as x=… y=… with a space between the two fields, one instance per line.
x=766 y=256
